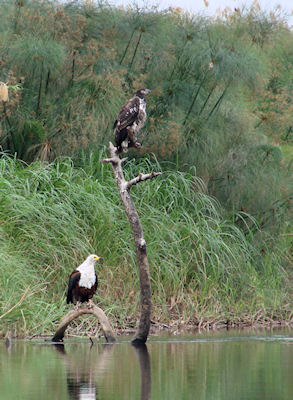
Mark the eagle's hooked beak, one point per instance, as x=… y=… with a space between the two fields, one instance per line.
x=96 y=258
x=147 y=91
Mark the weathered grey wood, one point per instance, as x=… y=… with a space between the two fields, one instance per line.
x=88 y=309
x=140 y=243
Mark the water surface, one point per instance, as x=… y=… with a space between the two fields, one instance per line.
x=211 y=366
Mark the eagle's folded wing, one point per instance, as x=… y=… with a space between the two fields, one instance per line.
x=73 y=281
x=128 y=113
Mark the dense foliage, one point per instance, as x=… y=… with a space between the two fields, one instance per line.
x=202 y=266
x=220 y=126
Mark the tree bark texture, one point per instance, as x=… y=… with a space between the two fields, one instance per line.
x=75 y=313
x=140 y=243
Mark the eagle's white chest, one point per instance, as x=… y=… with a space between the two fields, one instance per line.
x=139 y=123
x=142 y=105
x=142 y=109
x=87 y=278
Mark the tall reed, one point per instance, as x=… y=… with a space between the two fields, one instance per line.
x=53 y=215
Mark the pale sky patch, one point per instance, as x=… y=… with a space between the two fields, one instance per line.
x=211 y=7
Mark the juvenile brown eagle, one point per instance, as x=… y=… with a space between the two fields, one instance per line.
x=130 y=120
x=83 y=281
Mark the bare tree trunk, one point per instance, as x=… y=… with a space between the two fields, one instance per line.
x=140 y=243
x=75 y=313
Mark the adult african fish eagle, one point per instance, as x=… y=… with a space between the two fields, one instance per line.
x=130 y=120
x=83 y=281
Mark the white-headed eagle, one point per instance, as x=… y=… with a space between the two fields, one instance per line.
x=83 y=281
x=130 y=120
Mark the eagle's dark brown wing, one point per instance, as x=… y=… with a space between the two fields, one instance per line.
x=127 y=114
x=73 y=282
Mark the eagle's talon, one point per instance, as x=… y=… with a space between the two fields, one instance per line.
x=90 y=304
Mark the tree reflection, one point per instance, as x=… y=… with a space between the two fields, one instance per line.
x=87 y=370
x=145 y=371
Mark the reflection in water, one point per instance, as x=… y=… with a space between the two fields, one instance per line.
x=145 y=371
x=217 y=366
x=81 y=390
x=81 y=375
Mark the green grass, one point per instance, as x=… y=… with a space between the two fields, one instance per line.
x=220 y=247
x=287 y=150
x=203 y=267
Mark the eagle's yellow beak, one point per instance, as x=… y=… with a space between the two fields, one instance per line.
x=96 y=258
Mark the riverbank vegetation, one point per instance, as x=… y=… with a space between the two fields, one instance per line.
x=217 y=222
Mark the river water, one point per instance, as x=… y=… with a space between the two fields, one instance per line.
x=238 y=365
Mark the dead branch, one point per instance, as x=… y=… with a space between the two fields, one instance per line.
x=75 y=313
x=140 y=178
x=140 y=243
